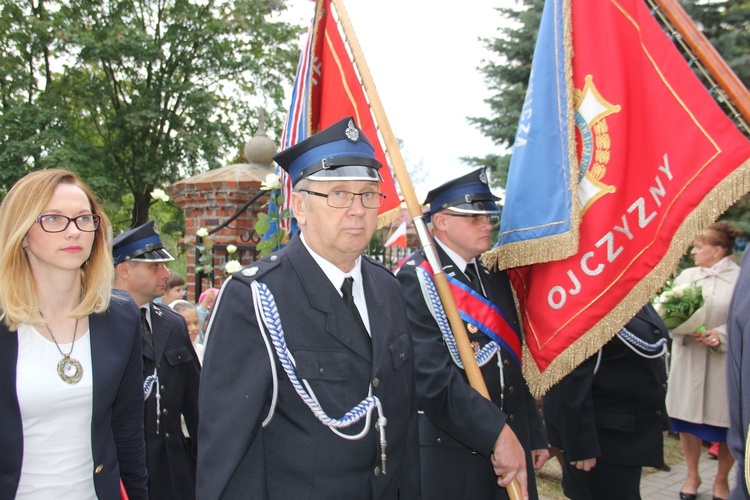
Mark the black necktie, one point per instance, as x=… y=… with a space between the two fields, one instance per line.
x=471 y=273
x=346 y=291
x=148 y=338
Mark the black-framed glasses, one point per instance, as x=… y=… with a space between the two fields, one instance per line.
x=54 y=223
x=479 y=219
x=345 y=199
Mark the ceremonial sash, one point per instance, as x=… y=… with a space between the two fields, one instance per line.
x=476 y=310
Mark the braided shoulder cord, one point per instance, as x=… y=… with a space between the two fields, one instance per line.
x=432 y=298
x=657 y=349
x=272 y=321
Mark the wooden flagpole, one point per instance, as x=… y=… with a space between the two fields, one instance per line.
x=708 y=55
x=465 y=350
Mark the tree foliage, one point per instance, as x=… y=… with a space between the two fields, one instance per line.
x=136 y=94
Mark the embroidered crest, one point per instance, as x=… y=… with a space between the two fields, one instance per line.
x=250 y=271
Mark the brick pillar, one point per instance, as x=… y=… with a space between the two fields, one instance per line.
x=209 y=204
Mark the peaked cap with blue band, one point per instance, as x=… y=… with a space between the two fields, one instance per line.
x=140 y=244
x=469 y=194
x=339 y=152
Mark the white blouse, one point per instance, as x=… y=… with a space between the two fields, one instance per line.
x=57 y=457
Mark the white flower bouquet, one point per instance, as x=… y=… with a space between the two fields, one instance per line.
x=681 y=308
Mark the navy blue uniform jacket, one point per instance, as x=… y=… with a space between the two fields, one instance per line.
x=459 y=426
x=117 y=421
x=617 y=414
x=295 y=455
x=170 y=458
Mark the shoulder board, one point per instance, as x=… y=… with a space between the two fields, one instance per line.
x=259 y=267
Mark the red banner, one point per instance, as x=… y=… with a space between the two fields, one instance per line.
x=658 y=162
x=337 y=93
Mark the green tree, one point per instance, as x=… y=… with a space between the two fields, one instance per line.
x=137 y=94
x=508 y=78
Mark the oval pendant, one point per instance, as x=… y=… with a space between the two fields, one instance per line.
x=70 y=370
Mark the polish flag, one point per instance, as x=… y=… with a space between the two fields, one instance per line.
x=398 y=238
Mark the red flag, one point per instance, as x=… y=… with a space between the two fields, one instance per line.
x=398 y=238
x=658 y=162
x=337 y=92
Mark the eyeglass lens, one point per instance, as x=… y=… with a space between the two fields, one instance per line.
x=58 y=223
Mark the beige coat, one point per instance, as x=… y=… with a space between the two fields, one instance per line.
x=697 y=379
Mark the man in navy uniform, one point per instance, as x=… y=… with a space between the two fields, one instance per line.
x=308 y=388
x=171 y=370
x=470 y=447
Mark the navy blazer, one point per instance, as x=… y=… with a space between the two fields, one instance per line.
x=117 y=445
x=295 y=455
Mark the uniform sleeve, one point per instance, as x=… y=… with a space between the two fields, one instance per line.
x=234 y=390
x=442 y=392
x=192 y=387
x=738 y=368
x=569 y=413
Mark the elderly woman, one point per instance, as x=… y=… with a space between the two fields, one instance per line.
x=697 y=398
x=71 y=401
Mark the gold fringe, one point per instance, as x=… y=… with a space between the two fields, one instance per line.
x=558 y=247
x=721 y=197
x=389 y=217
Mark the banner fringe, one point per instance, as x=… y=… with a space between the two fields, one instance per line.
x=389 y=217
x=715 y=203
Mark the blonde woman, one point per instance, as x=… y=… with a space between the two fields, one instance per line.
x=71 y=400
x=697 y=400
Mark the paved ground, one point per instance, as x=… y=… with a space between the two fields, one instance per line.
x=664 y=485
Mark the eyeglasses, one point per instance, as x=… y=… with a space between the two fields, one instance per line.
x=345 y=199
x=479 y=219
x=59 y=223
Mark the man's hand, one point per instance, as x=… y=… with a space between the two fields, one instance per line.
x=539 y=457
x=584 y=465
x=509 y=461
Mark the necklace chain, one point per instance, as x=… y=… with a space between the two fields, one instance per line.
x=69 y=369
x=72 y=345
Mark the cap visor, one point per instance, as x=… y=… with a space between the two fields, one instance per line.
x=157 y=255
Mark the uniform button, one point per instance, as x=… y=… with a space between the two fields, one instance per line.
x=439 y=440
x=161 y=387
x=274 y=258
x=98 y=469
x=511 y=389
x=376 y=470
x=179 y=357
x=401 y=355
x=158 y=366
x=506 y=361
x=511 y=417
x=165 y=412
x=375 y=382
x=167 y=436
x=473 y=452
x=658 y=413
x=322 y=370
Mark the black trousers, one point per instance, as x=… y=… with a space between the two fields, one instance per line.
x=610 y=481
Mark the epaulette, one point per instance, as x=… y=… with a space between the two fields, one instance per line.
x=259 y=267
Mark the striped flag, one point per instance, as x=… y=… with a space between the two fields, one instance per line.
x=643 y=159
x=327 y=88
x=398 y=238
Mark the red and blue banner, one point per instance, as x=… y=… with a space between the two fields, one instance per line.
x=656 y=161
x=327 y=88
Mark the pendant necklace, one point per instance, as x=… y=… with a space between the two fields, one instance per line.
x=69 y=369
